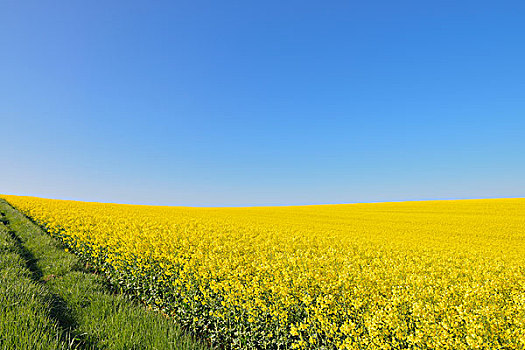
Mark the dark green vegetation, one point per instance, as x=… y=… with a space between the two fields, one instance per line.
x=48 y=300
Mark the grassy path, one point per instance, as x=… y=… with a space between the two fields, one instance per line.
x=48 y=300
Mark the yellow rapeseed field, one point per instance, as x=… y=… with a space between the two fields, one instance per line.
x=408 y=275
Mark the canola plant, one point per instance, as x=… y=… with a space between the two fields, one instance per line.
x=407 y=275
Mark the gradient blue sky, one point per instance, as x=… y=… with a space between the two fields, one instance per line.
x=262 y=103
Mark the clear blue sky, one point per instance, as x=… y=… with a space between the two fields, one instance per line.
x=267 y=102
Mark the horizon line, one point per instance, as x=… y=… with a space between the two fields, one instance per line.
x=265 y=205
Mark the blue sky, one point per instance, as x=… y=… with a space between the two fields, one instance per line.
x=262 y=103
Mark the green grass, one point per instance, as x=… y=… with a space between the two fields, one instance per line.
x=49 y=301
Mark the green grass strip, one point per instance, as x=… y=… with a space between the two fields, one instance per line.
x=49 y=301
x=25 y=319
